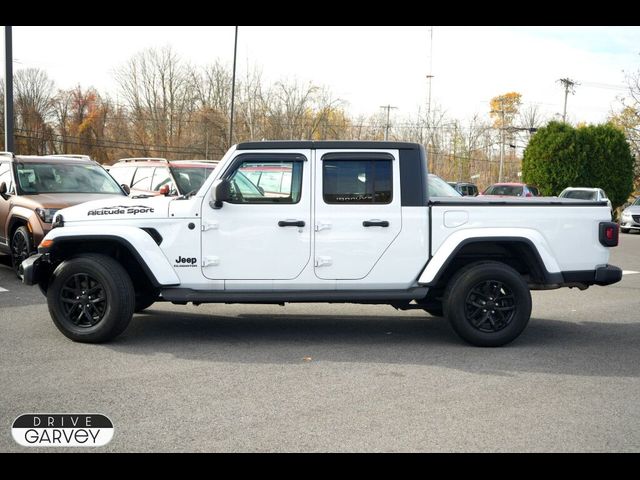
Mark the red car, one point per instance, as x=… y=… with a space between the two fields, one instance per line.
x=511 y=190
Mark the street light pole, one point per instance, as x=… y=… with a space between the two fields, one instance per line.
x=233 y=86
x=8 y=91
x=501 y=145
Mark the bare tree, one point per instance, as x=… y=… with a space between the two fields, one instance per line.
x=157 y=87
x=34 y=109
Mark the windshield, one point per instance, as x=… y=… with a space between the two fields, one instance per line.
x=440 y=188
x=510 y=190
x=637 y=202
x=36 y=178
x=579 y=194
x=190 y=178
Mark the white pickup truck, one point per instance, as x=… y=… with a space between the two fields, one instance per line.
x=303 y=221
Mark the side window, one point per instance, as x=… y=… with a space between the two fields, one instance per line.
x=161 y=177
x=465 y=190
x=142 y=178
x=266 y=182
x=533 y=190
x=123 y=175
x=5 y=176
x=603 y=195
x=357 y=181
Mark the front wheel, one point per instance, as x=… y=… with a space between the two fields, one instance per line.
x=488 y=304
x=91 y=298
x=21 y=248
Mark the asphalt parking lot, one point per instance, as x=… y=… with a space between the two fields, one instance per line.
x=312 y=377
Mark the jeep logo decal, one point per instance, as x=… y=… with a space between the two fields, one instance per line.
x=185 y=262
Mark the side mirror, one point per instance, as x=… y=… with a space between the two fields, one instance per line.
x=126 y=188
x=221 y=192
x=3 y=188
x=164 y=190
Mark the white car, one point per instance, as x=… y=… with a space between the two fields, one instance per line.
x=630 y=218
x=584 y=193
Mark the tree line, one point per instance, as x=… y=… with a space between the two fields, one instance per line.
x=166 y=107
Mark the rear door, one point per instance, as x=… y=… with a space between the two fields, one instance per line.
x=357 y=211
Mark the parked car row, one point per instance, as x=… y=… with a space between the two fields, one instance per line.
x=34 y=188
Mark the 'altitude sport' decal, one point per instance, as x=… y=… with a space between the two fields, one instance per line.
x=121 y=210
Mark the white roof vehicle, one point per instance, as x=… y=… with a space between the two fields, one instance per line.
x=585 y=193
x=321 y=221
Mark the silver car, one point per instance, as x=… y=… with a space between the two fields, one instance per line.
x=630 y=219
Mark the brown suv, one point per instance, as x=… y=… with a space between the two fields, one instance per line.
x=33 y=189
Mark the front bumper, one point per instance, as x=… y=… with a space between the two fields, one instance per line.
x=33 y=268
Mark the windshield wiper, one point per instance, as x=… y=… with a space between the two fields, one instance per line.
x=188 y=195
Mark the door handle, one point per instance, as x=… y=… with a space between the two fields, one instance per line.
x=375 y=223
x=291 y=223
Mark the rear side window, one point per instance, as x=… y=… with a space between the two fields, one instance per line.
x=123 y=175
x=5 y=176
x=357 y=181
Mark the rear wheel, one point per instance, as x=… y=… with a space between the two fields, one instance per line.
x=91 y=298
x=488 y=304
x=21 y=248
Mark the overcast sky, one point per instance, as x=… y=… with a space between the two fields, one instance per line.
x=370 y=66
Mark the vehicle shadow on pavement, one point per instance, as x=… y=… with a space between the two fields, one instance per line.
x=546 y=346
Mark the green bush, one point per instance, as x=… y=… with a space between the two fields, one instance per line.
x=560 y=156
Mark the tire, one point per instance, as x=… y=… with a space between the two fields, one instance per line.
x=21 y=248
x=145 y=299
x=98 y=320
x=435 y=311
x=497 y=286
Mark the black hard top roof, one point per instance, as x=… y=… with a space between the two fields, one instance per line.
x=328 y=144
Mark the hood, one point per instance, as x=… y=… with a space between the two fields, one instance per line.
x=118 y=208
x=62 y=200
x=632 y=209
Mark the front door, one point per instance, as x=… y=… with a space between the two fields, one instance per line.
x=264 y=231
x=358 y=211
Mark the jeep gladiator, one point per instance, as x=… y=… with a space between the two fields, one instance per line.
x=320 y=221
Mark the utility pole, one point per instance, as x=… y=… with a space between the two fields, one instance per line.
x=386 y=130
x=8 y=91
x=501 y=142
x=233 y=86
x=430 y=74
x=569 y=86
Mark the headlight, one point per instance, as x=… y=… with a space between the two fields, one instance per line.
x=46 y=214
x=626 y=215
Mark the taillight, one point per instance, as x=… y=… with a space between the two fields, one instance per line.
x=609 y=233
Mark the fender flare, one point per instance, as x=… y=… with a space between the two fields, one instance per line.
x=137 y=241
x=448 y=250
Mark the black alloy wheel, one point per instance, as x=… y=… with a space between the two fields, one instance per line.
x=84 y=300
x=490 y=306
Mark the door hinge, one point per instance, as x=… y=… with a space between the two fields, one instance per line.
x=323 y=261
x=210 y=261
x=322 y=226
x=209 y=226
